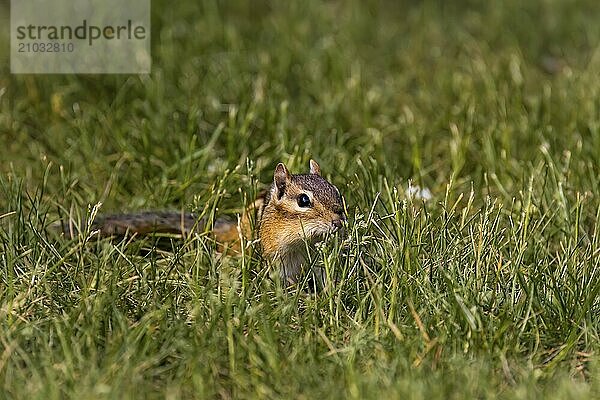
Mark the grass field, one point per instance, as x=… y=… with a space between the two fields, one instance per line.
x=490 y=289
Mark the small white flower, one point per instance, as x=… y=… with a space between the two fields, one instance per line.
x=415 y=192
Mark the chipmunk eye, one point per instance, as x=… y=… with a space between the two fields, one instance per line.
x=304 y=200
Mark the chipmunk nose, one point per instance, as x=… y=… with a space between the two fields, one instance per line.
x=338 y=223
x=339 y=218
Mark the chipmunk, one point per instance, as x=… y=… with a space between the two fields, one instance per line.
x=297 y=209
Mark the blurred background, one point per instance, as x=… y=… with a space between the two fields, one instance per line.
x=424 y=90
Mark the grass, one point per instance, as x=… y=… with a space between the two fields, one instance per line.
x=488 y=290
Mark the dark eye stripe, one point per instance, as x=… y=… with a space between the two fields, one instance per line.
x=304 y=200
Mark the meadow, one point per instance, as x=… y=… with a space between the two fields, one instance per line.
x=488 y=289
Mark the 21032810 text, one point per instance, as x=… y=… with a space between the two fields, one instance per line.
x=45 y=47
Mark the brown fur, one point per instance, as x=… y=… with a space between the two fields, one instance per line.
x=144 y=223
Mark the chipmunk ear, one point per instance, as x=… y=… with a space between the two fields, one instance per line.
x=314 y=168
x=281 y=177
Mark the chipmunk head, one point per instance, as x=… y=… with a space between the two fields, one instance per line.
x=298 y=208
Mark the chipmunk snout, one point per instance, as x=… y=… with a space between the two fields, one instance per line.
x=338 y=223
